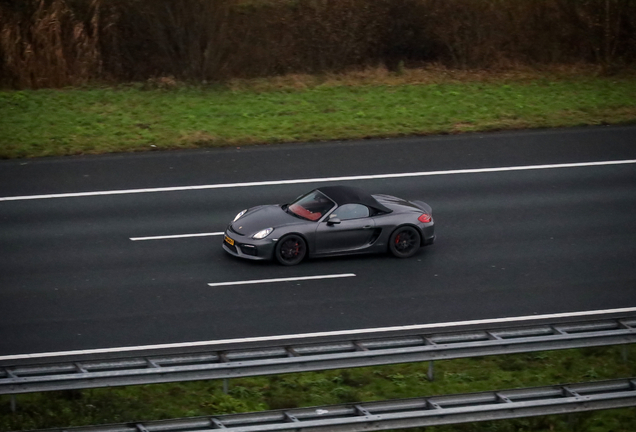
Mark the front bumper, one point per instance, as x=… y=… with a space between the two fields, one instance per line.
x=249 y=248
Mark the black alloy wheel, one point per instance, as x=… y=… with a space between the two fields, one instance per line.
x=291 y=249
x=404 y=242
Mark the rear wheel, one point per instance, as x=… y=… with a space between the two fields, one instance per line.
x=291 y=249
x=404 y=242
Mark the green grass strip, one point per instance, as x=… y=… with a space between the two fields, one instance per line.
x=136 y=118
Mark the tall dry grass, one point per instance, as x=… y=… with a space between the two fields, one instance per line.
x=50 y=43
x=53 y=43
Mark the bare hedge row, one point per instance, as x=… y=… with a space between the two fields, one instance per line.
x=51 y=43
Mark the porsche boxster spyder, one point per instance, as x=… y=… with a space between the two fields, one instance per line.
x=330 y=220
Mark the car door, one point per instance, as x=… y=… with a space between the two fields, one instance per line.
x=354 y=231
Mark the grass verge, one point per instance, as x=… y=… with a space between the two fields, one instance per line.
x=164 y=114
x=160 y=401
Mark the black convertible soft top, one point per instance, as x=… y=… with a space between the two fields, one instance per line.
x=352 y=195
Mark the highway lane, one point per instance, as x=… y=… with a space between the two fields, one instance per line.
x=510 y=244
x=323 y=159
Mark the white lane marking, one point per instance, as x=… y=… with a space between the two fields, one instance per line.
x=292 y=279
x=178 y=236
x=319 y=334
x=317 y=180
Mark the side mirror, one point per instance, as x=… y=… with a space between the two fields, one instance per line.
x=333 y=221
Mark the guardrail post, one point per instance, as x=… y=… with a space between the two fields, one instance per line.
x=13 y=404
x=226 y=385
x=431 y=372
x=624 y=353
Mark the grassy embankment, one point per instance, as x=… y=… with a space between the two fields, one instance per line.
x=164 y=114
x=137 y=403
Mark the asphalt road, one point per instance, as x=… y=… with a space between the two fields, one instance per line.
x=510 y=243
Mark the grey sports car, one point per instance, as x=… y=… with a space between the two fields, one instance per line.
x=331 y=220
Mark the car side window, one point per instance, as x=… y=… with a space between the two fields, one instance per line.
x=351 y=211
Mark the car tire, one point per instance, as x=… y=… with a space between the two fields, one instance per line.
x=290 y=250
x=404 y=242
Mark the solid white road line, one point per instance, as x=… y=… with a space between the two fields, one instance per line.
x=292 y=279
x=320 y=334
x=317 y=180
x=178 y=236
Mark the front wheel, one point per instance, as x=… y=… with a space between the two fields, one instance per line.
x=290 y=250
x=404 y=242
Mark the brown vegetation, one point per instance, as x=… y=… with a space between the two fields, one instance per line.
x=53 y=43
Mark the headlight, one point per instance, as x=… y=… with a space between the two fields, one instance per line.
x=263 y=233
x=239 y=215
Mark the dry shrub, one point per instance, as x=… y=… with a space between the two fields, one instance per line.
x=317 y=36
x=52 y=43
x=310 y=36
x=186 y=39
x=492 y=32
x=335 y=34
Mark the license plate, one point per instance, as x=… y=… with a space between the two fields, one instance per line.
x=229 y=241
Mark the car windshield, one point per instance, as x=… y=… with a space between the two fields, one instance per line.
x=311 y=206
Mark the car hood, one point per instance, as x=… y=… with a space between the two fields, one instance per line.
x=259 y=218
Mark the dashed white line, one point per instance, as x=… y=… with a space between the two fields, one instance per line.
x=416 y=327
x=317 y=180
x=177 y=236
x=292 y=279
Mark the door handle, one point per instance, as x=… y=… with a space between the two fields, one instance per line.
x=367 y=227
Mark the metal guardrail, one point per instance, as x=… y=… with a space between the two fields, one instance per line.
x=312 y=357
x=405 y=413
